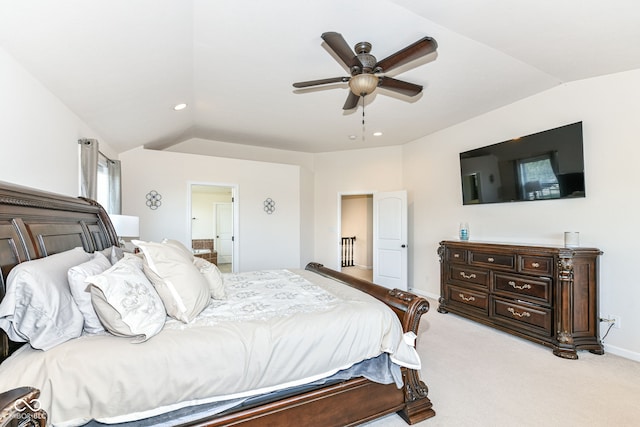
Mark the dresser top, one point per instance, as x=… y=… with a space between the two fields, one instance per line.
x=519 y=247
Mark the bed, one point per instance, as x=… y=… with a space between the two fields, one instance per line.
x=35 y=225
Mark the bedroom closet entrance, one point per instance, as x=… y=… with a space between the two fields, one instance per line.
x=373 y=237
x=213 y=224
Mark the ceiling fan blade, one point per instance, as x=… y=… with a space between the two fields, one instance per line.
x=321 y=82
x=338 y=44
x=399 y=86
x=420 y=48
x=351 y=102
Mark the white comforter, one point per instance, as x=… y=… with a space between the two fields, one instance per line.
x=277 y=329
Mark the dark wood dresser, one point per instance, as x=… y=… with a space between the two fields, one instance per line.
x=547 y=294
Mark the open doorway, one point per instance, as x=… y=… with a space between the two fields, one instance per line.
x=356 y=231
x=376 y=225
x=213 y=224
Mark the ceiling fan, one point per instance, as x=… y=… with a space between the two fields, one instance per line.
x=367 y=72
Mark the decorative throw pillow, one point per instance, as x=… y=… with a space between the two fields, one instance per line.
x=126 y=302
x=38 y=307
x=80 y=289
x=213 y=276
x=183 y=289
x=209 y=270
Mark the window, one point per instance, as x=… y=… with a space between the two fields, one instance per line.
x=103 y=183
x=537 y=177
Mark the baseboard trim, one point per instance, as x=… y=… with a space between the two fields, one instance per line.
x=627 y=354
x=424 y=293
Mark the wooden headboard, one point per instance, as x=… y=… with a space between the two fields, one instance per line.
x=35 y=224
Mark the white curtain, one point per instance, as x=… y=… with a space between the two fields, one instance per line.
x=93 y=177
x=89 y=168
x=115 y=187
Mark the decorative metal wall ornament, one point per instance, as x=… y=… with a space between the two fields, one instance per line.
x=269 y=206
x=154 y=200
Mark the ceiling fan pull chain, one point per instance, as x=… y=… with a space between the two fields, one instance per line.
x=363 y=129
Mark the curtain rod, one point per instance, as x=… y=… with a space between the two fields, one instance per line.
x=100 y=153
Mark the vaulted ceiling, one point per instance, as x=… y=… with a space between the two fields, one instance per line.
x=121 y=65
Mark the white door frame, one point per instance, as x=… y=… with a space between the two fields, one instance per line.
x=235 y=194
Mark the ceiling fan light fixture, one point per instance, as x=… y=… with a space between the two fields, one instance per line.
x=363 y=84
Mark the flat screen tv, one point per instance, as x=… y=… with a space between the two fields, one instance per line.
x=542 y=166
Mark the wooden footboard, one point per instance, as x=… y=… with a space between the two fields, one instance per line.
x=409 y=308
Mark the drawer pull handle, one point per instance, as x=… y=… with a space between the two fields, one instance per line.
x=470 y=276
x=465 y=298
x=490 y=259
x=456 y=255
x=513 y=284
x=535 y=264
x=515 y=313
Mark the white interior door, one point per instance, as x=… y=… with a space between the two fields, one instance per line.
x=390 y=239
x=224 y=232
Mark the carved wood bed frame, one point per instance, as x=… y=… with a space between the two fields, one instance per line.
x=34 y=224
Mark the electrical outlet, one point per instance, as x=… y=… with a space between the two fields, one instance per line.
x=617 y=321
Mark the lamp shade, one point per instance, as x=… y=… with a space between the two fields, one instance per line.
x=363 y=84
x=126 y=225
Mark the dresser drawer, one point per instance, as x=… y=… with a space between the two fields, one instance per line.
x=473 y=276
x=537 y=319
x=537 y=290
x=468 y=298
x=488 y=259
x=539 y=265
x=457 y=255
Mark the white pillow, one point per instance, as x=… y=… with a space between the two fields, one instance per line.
x=183 y=289
x=188 y=253
x=209 y=270
x=80 y=289
x=38 y=306
x=213 y=276
x=126 y=302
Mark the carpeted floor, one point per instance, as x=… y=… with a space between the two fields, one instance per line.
x=478 y=377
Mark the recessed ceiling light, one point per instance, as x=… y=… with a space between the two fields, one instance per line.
x=179 y=107
x=377 y=134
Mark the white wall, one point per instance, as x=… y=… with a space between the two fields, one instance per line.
x=609 y=107
x=38 y=133
x=262 y=154
x=307 y=216
x=266 y=241
x=349 y=172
